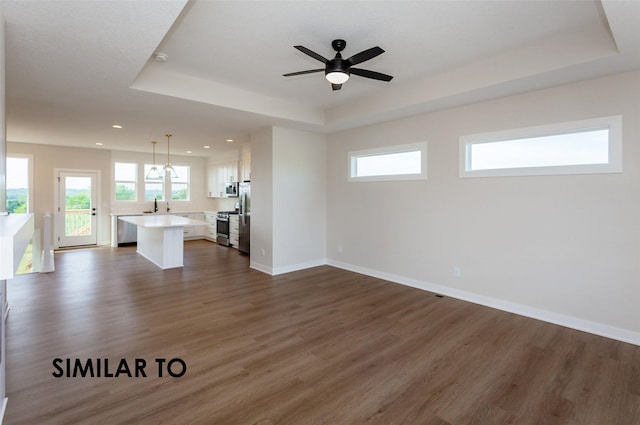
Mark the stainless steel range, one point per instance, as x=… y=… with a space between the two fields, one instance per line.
x=222 y=228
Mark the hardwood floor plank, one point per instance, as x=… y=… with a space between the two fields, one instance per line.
x=318 y=346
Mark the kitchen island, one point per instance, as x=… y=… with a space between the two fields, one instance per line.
x=161 y=238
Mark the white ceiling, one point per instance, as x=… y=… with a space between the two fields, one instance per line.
x=74 y=68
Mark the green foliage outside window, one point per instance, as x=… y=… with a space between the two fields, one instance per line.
x=125 y=193
x=78 y=201
x=180 y=195
x=17 y=201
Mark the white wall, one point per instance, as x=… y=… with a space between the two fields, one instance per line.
x=299 y=202
x=563 y=248
x=3 y=202
x=288 y=186
x=261 y=200
x=3 y=126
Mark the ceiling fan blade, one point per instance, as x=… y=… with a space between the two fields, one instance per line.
x=371 y=74
x=312 y=54
x=302 y=72
x=336 y=86
x=365 y=55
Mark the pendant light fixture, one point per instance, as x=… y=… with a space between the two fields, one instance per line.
x=168 y=168
x=154 y=173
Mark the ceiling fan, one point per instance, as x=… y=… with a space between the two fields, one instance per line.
x=338 y=70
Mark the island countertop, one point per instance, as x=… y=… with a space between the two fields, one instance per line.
x=161 y=221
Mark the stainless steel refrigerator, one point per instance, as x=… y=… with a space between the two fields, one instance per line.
x=244 y=193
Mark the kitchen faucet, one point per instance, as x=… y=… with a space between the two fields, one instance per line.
x=168 y=209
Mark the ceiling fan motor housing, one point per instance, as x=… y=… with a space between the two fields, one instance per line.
x=337 y=64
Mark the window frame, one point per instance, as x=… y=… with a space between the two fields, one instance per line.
x=30 y=188
x=162 y=181
x=353 y=156
x=135 y=182
x=614 y=164
x=169 y=191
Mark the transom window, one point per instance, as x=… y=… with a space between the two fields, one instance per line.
x=403 y=162
x=578 y=147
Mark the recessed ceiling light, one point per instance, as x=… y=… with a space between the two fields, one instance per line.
x=229 y=140
x=206 y=146
x=189 y=151
x=116 y=126
x=99 y=144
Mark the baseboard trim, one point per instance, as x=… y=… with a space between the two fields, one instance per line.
x=299 y=266
x=261 y=268
x=287 y=269
x=595 y=328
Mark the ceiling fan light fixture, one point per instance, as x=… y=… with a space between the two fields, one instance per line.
x=337 y=77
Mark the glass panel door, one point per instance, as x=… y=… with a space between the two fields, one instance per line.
x=77 y=209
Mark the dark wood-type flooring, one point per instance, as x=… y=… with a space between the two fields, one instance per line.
x=320 y=346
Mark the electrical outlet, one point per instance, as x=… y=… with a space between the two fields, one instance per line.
x=264 y=253
x=340 y=249
x=456 y=271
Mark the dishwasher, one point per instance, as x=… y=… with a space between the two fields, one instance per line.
x=127 y=232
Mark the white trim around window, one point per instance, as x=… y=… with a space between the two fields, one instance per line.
x=29 y=182
x=589 y=146
x=400 y=162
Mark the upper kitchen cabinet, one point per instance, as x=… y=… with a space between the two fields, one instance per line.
x=218 y=175
x=212 y=181
x=245 y=164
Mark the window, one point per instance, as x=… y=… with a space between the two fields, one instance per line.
x=180 y=185
x=154 y=188
x=578 y=147
x=18 y=184
x=125 y=181
x=403 y=162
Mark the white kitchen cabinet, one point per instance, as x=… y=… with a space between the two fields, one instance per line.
x=187 y=231
x=194 y=231
x=212 y=181
x=199 y=231
x=245 y=164
x=218 y=175
x=211 y=230
x=234 y=230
